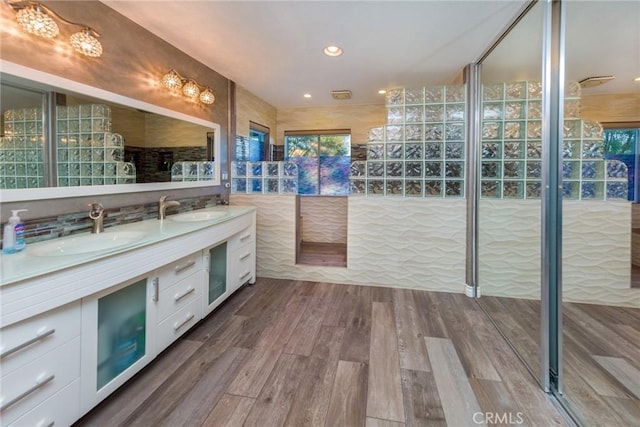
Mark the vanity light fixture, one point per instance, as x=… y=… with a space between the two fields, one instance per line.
x=332 y=51
x=38 y=19
x=173 y=81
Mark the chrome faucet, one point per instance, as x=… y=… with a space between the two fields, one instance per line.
x=96 y=213
x=164 y=204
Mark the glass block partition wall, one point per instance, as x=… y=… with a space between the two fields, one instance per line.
x=192 y=171
x=22 y=149
x=264 y=177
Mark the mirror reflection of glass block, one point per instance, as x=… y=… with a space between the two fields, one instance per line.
x=239 y=185
x=592 y=130
x=616 y=169
x=571 y=150
x=395 y=115
x=414 y=96
x=256 y=169
x=491 y=131
x=413 y=169
x=394 y=168
x=572 y=108
x=534 y=150
x=414 y=114
x=534 y=169
x=375 y=169
x=533 y=190
x=534 y=129
x=534 y=90
x=395 y=97
x=490 y=170
x=413 y=132
x=454 y=170
x=376 y=134
x=289 y=186
x=413 y=151
x=514 y=170
x=375 y=187
x=413 y=188
x=513 y=150
x=589 y=190
x=454 y=188
x=516 y=90
x=255 y=185
x=271 y=185
x=395 y=133
x=375 y=152
x=394 y=151
x=591 y=170
x=454 y=93
x=433 y=150
x=454 y=132
x=512 y=190
x=571 y=129
x=592 y=149
x=433 y=169
x=358 y=187
x=433 y=132
x=433 y=188
x=534 y=110
x=454 y=150
x=358 y=169
x=570 y=170
x=394 y=187
x=433 y=94
x=492 y=111
x=572 y=89
x=272 y=169
x=514 y=110
x=455 y=112
x=491 y=150
x=617 y=190
x=570 y=190
x=289 y=169
x=490 y=189
x=434 y=113
x=493 y=92
x=513 y=130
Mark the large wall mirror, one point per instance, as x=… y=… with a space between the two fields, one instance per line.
x=60 y=138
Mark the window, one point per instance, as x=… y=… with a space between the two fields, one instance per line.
x=323 y=159
x=621 y=143
x=255 y=148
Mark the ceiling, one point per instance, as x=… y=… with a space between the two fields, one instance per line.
x=274 y=48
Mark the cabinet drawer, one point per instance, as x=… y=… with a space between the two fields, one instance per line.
x=24 y=342
x=178 y=270
x=61 y=409
x=244 y=262
x=244 y=238
x=179 y=295
x=177 y=324
x=30 y=385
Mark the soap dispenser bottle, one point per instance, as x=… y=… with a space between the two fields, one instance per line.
x=13 y=236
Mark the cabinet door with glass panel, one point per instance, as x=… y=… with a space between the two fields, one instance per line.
x=216 y=288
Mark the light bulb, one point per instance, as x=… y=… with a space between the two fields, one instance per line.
x=172 y=81
x=35 y=21
x=207 y=97
x=86 y=44
x=191 y=89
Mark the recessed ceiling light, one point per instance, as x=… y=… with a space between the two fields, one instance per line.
x=382 y=91
x=637 y=79
x=332 y=51
x=307 y=95
x=594 y=81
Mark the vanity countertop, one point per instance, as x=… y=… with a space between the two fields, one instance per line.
x=31 y=263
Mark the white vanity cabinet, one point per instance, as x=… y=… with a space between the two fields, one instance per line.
x=118 y=337
x=40 y=360
x=242 y=256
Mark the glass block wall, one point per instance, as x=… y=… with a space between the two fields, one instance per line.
x=22 y=149
x=192 y=171
x=264 y=177
x=420 y=152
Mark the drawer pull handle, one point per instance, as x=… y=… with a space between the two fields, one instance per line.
x=184 y=322
x=181 y=268
x=245 y=275
x=245 y=237
x=245 y=256
x=35 y=387
x=35 y=339
x=156 y=291
x=51 y=424
x=189 y=290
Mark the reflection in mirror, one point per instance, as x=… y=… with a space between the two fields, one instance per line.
x=98 y=142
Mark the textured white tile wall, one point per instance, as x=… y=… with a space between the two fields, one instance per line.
x=324 y=219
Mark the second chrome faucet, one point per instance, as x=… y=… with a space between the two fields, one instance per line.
x=163 y=204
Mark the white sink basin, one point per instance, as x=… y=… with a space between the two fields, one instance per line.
x=196 y=216
x=87 y=243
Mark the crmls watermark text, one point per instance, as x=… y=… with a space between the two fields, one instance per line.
x=498 y=418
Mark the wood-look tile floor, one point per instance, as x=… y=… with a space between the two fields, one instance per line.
x=325 y=254
x=316 y=354
x=601 y=355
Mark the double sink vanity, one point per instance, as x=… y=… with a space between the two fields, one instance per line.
x=80 y=315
